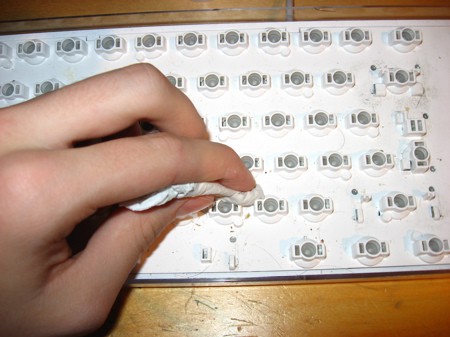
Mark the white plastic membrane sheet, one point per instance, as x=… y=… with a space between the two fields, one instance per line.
x=343 y=124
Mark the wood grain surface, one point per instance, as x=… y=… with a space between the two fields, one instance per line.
x=406 y=306
x=415 y=306
x=44 y=15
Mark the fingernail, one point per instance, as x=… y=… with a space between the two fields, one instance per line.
x=194 y=205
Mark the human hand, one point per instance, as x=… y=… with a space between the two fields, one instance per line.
x=48 y=186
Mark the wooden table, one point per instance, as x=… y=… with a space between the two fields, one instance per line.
x=38 y=15
x=411 y=306
x=406 y=306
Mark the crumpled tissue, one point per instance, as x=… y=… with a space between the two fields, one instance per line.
x=192 y=190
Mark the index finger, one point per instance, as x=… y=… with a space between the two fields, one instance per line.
x=103 y=105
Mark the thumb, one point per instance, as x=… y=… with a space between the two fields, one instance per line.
x=97 y=274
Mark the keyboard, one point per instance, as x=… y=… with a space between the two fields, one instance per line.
x=344 y=124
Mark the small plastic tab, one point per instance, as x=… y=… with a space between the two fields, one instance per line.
x=355 y=40
x=297 y=83
x=376 y=163
x=270 y=209
x=233 y=262
x=360 y=197
x=370 y=251
x=430 y=248
x=358 y=214
x=411 y=127
x=5 y=56
x=432 y=204
x=416 y=158
x=315 y=40
x=275 y=41
x=320 y=123
x=254 y=83
x=232 y=42
x=13 y=90
x=363 y=123
x=315 y=208
x=307 y=253
x=111 y=47
x=405 y=39
x=435 y=212
x=33 y=51
x=72 y=49
x=206 y=255
x=430 y=194
x=212 y=84
x=379 y=90
x=291 y=165
x=396 y=206
x=191 y=44
x=335 y=165
x=226 y=213
x=338 y=82
x=47 y=86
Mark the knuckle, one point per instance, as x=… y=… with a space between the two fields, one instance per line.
x=174 y=144
x=171 y=146
x=147 y=77
x=174 y=152
x=167 y=152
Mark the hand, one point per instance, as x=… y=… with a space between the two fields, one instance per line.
x=48 y=186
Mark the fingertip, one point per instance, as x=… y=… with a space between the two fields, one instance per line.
x=242 y=180
x=237 y=176
x=188 y=119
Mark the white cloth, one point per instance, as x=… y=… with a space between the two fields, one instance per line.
x=192 y=190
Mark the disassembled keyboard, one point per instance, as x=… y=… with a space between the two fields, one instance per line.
x=344 y=125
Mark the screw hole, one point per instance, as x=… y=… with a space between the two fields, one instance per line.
x=190 y=39
x=148 y=41
x=408 y=34
x=68 y=45
x=357 y=35
x=8 y=90
x=316 y=35
x=29 y=47
x=316 y=204
x=232 y=38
